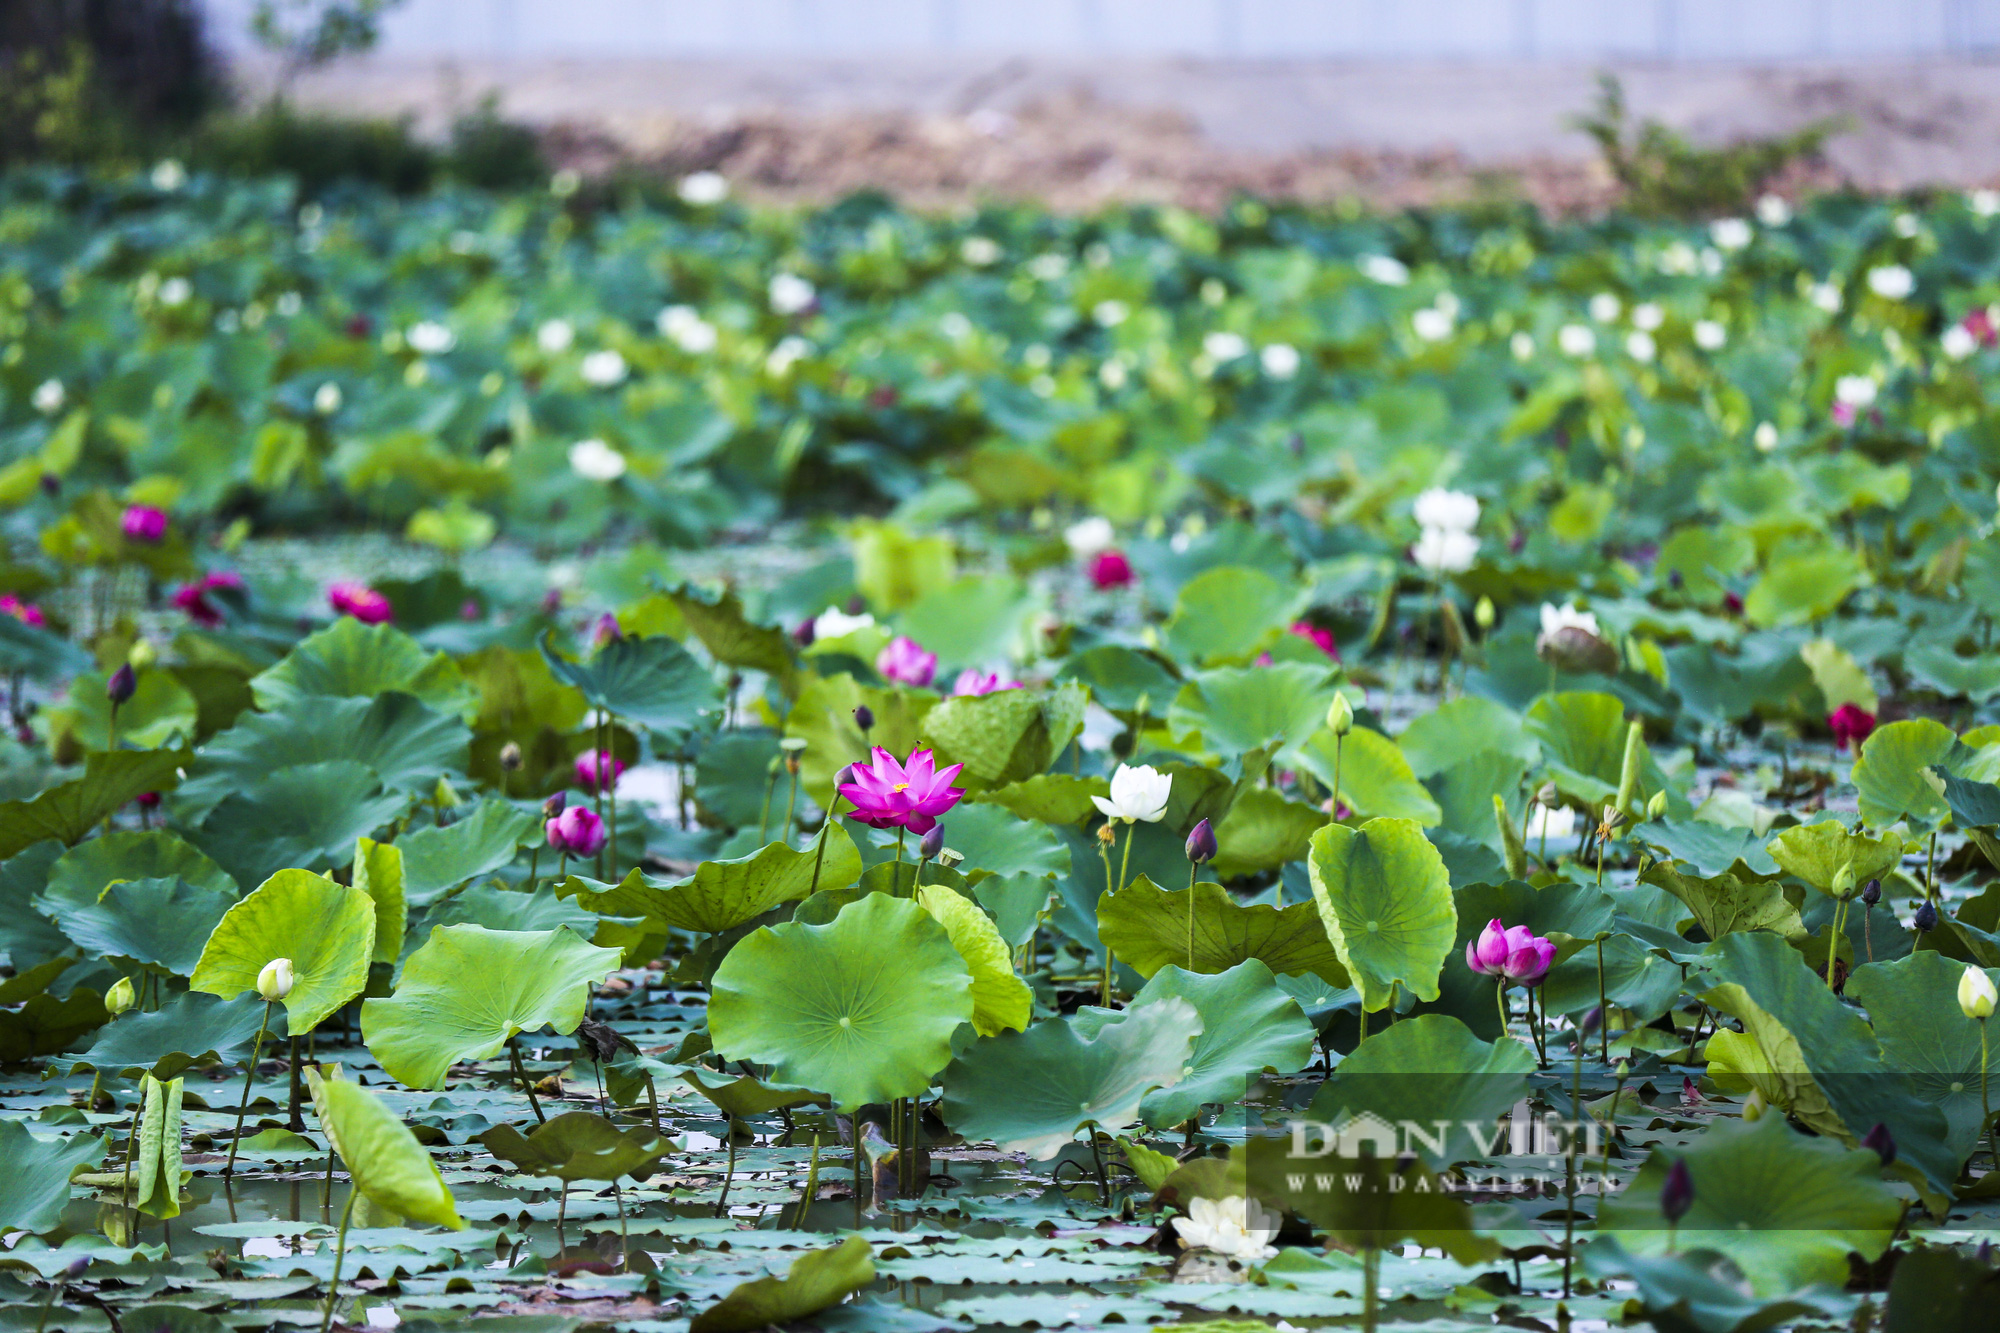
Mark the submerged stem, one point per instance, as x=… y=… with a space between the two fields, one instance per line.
x=249 y=1076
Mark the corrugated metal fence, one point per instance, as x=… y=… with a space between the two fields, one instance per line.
x=1667 y=30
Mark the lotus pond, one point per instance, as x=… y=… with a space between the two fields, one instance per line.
x=578 y=760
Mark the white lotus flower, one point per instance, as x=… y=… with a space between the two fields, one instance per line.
x=1892 y=282
x=979 y=251
x=169 y=175
x=1048 y=267
x=48 y=397
x=1110 y=314
x=1236 y=1227
x=1826 y=296
x=1384 y=269
x=429 y=337
x=1773 y=211
x=955 y=325
x=1639 y=345
x=1855 y=390
x=327 y=399
x=555 y=335
x=1453 y=511
x=1983 y=203
x=1678 y=258
x=176 y=291
x=1223 y=345
x=1648 y=316
x=1905 y=225
x=1522 y=345
x=1557 y=823
x=1604 y=307
x=1280 y=360
x=1729 y=233
x=290 y=303
x=703 y=188
x=274 y=982
x=1576 y=340
x=790 y=294
x=833 y=622
x=1442 y=551
x=1137 y=794
x=1568 y=616
x=1958 y=342
x=603 y=369
x=1431 y=324
x=1090 y=536
x=1112 y=374
x=688 y=330
x=1765 y=437
x=788 y=352
x=594 y=460
x=1976 y=993
x=1709 y=335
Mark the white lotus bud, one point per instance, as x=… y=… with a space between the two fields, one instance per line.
x=274 y=983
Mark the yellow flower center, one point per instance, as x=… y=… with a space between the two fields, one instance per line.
x=899 y=786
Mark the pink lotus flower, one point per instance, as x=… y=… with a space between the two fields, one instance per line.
x=143 y=523
x=1321 y=639
x=1110 y=569
x=593 y=768
x=25 y=612
x=577 y=831
x=905 y=662
x=1842 y=413
x=974 y=681
x=1516 y=953
x=360 y=601
x=1851 y=724
x=911 y=795
x=193 y=598
x=1979 y=324
x=605 y=630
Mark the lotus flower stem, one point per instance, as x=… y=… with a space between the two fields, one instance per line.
x=792 y=802
x=521 y=1072
x=249 y=1075
x=1371 y=1277
x=1333 y=802
x=819 y=852
x=597 y=787
x=1500 y=996
x=1694 y=1035
x=1604 y=1007
x=1104 y=854
x=1125 y=861
x=1833 y=940
x=1193 y=870
x=1985 y=1111
x=624 y=1241
x=1569 y=1164
x=728 y=1171
x=1930 y=867
x=294 y=1116
x=534 y=868
x=770 y=790
x=339 y=1254
x=610 y=786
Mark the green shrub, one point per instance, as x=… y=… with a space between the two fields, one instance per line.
x=318 y=149
x=494 y=153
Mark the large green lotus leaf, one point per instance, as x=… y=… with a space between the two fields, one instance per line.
x=1375 y=778
x=1575 y=911
x=1464 y=793
x=1724 y=904
x=1429 y=1071
x=351 y=660
x=1262 y=831
x=378 y=872
x=862 y=1008
x=1583 y=740
x=1817 y=853
x=306 y=816
x=1031 y=1091
x=1248 y=1027
x=1000 y=999
x=1786 y=1208
x=1890 y=774
x=648 y=682
x=732 y=778
x=1120 y=678
x=1385 y=899
x=467 y=989
x=1234 y=710
x=1147 y=928
x=47 y=1025
x=1373 y=1202
x=89 y=868
x=160 y=710
x=156 y=1166
x=1049 y=798
x=745 y=1098
x=405 y=743
x=1974 y=805
x=68 y=812
x=823 y=717
x=326 y=929
x=992 y=840
x=27 y=937
x=439 y=859
x=41 y=654
x=977 y=618
x=1635 y=978
x=721 y=895
x=817 y=1280
x=1228 y=612
x=1830 y=1065
x=732 y=639
x=1709 y=848
x=577 y=1145
x=160 y=924
x=1801 y=588
x=499 y=908
x=1925 y=1037
x=190 y=1030
x=1469 y=724
x=1016 y=904
x=382 y=1157
x=1940 y=667
x=35 y=1186
x=1006 y=736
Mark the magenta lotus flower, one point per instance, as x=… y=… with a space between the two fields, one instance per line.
x=1321 y=639
x=905 y=662
x=360 y=601
x=1110 y=569
x=143 y=523
x=25 y=612
x=1516 y=953
x=594 y=768
x=974 y=681
x=606 y=630
x=911 y=795
x=577 y=831
x=193 y=598
x=1851 y=724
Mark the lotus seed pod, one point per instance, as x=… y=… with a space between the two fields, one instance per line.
x=120 y=997
x=274 y=983
x=1340 y=715
x=510 y=757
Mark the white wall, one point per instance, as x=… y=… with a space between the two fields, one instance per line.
x=1695 y=30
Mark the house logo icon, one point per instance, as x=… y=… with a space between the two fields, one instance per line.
x=1366 y=1135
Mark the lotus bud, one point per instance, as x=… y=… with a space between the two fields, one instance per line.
x=1484 y=614
x=844 y=776
x=864 y=718
x=555 y=805
x=124 y=683
x=445 y=796
x=1976 y=995
x=274 y=983
x=1754 y=1107
x=142 y=655
x=120 y=997
x=1843 y=880
x=932 y=843
x=1882 y=1141
x=1340 y=715
x=1677 y=1194
x=1657 y=807
x=1925 y=919
x=1635 y=759
x=1201 y=843
x=510 y=757
x=51 y=484
x=1591 y=1021
x=1624 y=1070
x=1871 y=892
x=1547 y=796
